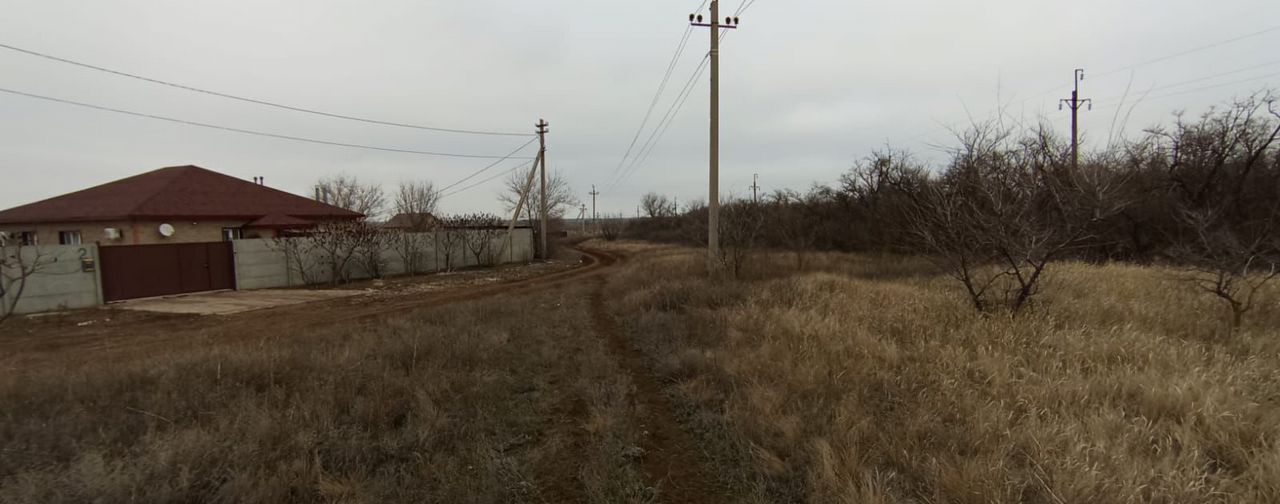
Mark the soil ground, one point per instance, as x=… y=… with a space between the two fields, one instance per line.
x=115 y=329
x=663 y=455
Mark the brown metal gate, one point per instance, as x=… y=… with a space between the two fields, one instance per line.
x=135 y=271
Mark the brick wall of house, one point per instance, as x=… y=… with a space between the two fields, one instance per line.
x=132 y=233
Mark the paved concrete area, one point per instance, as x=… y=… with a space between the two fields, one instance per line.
x=229 y=302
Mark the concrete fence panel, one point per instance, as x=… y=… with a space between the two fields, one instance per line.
x=64 y=277
x=286 y=262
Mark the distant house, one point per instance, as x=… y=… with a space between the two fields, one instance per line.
x=412 y=222
x=179 y=204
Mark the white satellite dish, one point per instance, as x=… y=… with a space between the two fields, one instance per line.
x=166 y=230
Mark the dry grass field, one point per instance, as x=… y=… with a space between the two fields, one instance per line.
x=861 y=379
x=870 y=379
x=483 y=401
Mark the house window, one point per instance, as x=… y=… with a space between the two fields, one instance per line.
x=28 y=238
x=229 y=234
x=68 y=237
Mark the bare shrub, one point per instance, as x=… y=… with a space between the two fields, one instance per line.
x=338 y=244
x=372 y=241
x=299 y=255
x=612 y=226
x=451 y=236
x=741 y=223
x=482 y=229
x=1004 y=210
x=18 y=263
x=410 y=247
x=1232 y=265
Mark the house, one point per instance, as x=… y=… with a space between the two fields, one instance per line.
x=178 y=204
x=412 y=222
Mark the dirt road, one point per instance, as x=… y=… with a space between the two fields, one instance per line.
x=111 y=334
x=658 y=449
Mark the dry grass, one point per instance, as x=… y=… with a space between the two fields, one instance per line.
x=870 y=379
x=489 y=401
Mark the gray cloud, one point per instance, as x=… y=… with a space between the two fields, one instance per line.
x=808 y=87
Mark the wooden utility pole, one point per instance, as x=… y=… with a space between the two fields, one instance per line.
x=713 y=196
x=542 y=200
x=1075 y=103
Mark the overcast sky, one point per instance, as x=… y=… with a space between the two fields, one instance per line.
x=807 y=87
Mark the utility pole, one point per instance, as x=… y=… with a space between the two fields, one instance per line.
x=542 y=212
x=594 y=193
x=755 y=188
x=1075 y=103
x=713 y=199
x=582 y=220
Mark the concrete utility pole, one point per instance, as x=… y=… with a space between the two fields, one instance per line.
x=594 y=193
x=542 y=212
x=1075 y=103
x=713 y=199
x=755 y=188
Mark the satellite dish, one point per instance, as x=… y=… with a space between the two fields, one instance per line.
x=166 y=230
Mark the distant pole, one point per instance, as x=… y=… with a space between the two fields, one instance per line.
x=755 y=188
x=713 y=203
x=1075 y=103
x=542 y=200
x=594 y=193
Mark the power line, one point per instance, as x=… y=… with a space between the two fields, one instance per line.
x=253 y=100
x=486 y=168
x=490 y=179
x=657 y=96
x=1189 y=51
x=248 y=132
x=1213 y=86
x=666 y=123
x=1202 y=79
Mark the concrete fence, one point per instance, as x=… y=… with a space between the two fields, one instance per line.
x=68 y=276
x=61 y=277
x=287 y=262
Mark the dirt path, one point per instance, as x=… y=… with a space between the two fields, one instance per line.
x=670 y=460
x=140 y=333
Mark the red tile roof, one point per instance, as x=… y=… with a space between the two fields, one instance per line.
x=275 y=221
x=173 y=192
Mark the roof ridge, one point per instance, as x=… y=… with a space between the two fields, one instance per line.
x=172 y=180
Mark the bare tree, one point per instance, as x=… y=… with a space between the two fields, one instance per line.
x=418 y=201
x=657 y=205
x=452 y=233
x=559 y=195
x=1232 y=264
x=17 y=264
x=348 y=192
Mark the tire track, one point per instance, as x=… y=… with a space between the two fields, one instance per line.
x=670 y=460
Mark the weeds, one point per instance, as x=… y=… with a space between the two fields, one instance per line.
x=847 y=384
